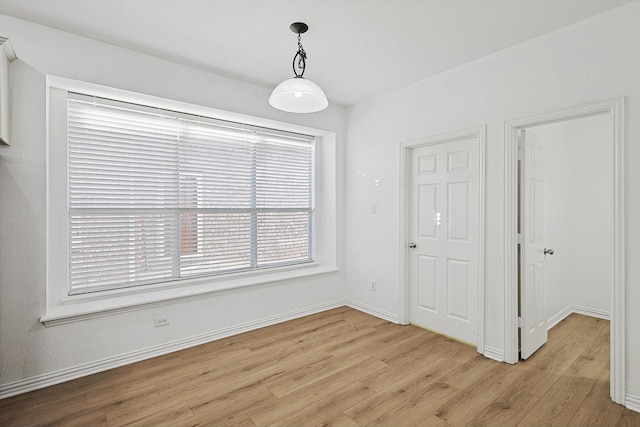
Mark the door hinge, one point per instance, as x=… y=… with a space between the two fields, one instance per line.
x=520 y=322
x=519 y=238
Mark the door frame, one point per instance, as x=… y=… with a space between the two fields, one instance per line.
x=405 y=188
x=614 y=108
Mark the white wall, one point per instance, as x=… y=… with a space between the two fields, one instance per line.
x=30 y=350
x=590 y=61
x=577 y=159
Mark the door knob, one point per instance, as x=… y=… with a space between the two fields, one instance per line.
x=412 y=245
x=548 y=251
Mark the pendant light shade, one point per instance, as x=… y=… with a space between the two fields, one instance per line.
x=298 y=95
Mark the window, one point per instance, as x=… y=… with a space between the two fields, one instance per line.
x=157 y=196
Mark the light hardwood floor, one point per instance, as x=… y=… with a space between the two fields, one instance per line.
x=343 y=368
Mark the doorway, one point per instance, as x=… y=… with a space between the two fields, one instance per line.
x=565 y=225
x=612 y=113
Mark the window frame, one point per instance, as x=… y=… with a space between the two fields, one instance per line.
x=108 y=132
x=62 y=308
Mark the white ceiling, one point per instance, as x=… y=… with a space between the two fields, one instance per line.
x=356 y=48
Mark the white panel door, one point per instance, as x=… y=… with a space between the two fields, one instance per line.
x=443 y=265
x=533 y=327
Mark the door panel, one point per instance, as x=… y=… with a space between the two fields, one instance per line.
x=533 y=332
x=444 y=203
x=427 y=277
x=428 y=194
x=458 y=289
x=458 y=211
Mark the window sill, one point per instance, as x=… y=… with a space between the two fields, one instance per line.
x=90 y=306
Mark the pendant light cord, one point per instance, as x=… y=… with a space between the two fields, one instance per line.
x=301 y=55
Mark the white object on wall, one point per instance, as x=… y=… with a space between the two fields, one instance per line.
x=7 y=55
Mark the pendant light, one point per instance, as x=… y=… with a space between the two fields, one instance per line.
x=298 y=95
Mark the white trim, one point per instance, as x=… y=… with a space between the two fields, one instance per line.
x=405 y=147
x=404 y=233
x=493 y=353
x=482 y=137
x=92 y=306
x=67 y=374
x=592 y=312
x=615 y=109
x=510 y=245
x=7 y=56
x=391 y=317
x=570 y=309
x=8 y=49
x=559 y=317
x=632 y=402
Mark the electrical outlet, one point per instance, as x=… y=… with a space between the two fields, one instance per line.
x=373 y=285
x=161 y=321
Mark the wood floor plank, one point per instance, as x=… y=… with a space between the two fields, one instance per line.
x=467 y=374
x=418 y=341
x=296 y=328
x=345 y=368
x=232 y=420
x=213 y=388
x=373 y=338
x=322 y=411
x=52 y=406
x=428 y=366
x=396 y=394
x=161 y=413
x=514 y=402
x=219 y=350
x=113 y=393
x=593 y=362
x=203 y=370
x=560 y=403
x=316 y=335
x=628 y=419
x=433 y=421
x=11 y=408
x=597 y=409
x=417 y=407
x=268 y=412
x=290 y=355
x=233 y=405
x=341 y=421
x=465 y=406
x=332 y=337
x=86 y=417
x=296 y=379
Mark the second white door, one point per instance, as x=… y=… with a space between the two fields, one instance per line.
x=444 y=203
x=533 y=323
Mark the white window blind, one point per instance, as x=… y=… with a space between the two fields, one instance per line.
x=158 y=196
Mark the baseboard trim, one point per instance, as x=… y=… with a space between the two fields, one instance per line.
x=391 y=317
x=493 y=353
x=570 y=309
x=632 y=402
x=559 y=317
x=67 y=374
x=600 y=314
